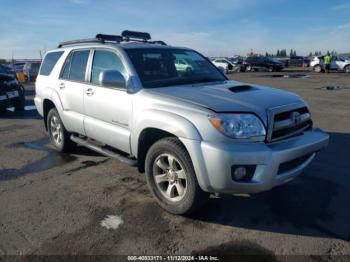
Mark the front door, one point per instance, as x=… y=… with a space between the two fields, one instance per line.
x=107 y=110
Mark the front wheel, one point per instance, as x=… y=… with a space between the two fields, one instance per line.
x=19 y=103
x=59 y=136
x=347 y=69
x=171 y=177
x=317 y=68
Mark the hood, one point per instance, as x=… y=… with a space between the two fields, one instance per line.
x=231 y=96
x=7 y=82
x=5 y=77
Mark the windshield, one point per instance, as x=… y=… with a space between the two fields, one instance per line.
x=169 y=67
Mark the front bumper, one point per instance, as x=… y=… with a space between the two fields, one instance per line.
x=6 y=101
x=214 y=162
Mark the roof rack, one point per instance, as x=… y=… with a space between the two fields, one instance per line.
x=135 y=36
x=126 y=36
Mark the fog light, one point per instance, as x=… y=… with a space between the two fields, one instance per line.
x=240 y=173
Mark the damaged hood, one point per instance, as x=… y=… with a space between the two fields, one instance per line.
x=230 y=96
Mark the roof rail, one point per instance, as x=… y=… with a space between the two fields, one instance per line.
x=125 y=37
x=81 y=41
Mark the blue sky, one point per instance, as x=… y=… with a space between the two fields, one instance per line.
x=214 y=27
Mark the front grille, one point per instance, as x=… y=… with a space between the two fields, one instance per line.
x=290 y=123
x=290 y=165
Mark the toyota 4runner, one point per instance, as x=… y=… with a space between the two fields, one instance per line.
x=193 y=132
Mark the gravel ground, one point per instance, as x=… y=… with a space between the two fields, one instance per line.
x=53 y=203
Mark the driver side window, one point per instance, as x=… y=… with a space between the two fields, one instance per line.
x=105 y=60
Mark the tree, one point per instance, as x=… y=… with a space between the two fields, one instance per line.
x=278 y=53
x=291 y=53
x=310 y=54
x=283 y=53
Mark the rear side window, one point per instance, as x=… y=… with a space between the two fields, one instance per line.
x=75 y=66
x=50 y=62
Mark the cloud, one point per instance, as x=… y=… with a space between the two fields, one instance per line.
x=343 y=26
x=343 y=6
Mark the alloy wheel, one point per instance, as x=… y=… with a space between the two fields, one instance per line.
x=56 y=130
x=170 y=177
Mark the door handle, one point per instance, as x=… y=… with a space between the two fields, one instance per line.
x=90 y=92
x=62 y=85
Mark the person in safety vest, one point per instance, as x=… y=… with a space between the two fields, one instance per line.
x=327 y=62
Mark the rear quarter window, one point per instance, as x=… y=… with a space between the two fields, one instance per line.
x=49 y=62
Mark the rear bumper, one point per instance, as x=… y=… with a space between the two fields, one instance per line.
x=274 y=163
x=39 y=105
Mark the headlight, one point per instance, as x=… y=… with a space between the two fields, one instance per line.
x=241 y=126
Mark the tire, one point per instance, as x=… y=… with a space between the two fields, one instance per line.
x=270 y=69
x=177 y=189
x=19 y=103
x=58 y=134
x=317 y=68
x=248 y=69
x=347 y=69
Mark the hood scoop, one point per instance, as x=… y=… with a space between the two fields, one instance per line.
x=242 y=88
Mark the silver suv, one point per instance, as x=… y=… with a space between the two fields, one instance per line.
x=193 y=132
x=337 y=63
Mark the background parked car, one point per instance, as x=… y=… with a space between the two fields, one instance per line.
x=265 y=63
x=224 y=63
x=183 y=65
x=230 y=64
x=11 y=91
x=337 y=64
x=240 y=63
x=31 y=70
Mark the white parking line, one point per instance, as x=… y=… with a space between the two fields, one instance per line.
x=26 y=108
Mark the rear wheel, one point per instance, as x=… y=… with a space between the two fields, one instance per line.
x=270 y=69
x=318 y=68
x=171 y=177
x=59 y=136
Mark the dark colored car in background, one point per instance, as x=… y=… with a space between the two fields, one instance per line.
x=11 y=91
x=299 y=61
x=265 y=63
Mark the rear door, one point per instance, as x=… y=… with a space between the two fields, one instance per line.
x=108 y=110
x=71 y=86
x=334 y=63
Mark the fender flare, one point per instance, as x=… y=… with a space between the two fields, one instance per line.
x=162 y=120
x=55 y=99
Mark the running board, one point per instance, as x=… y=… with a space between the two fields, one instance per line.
x=103 y=151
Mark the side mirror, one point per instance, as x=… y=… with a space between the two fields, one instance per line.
x=222 y=69
x=112 y=78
